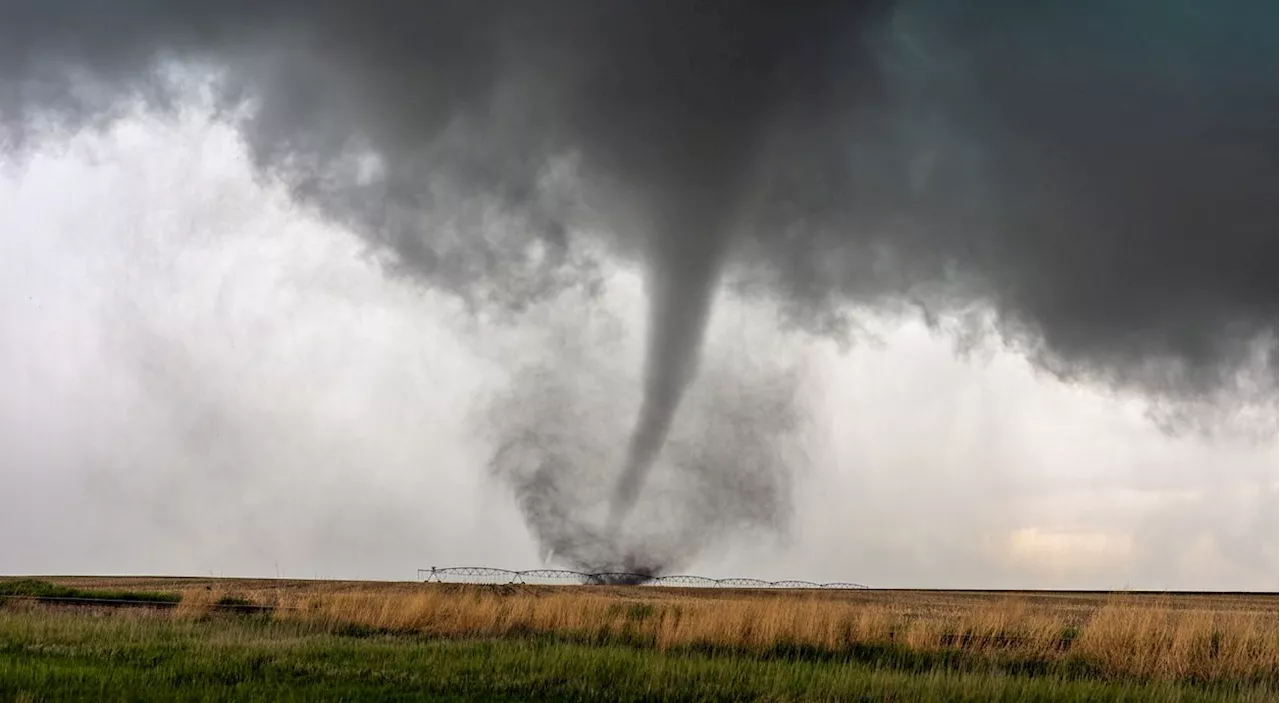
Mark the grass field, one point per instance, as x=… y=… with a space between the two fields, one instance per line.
x=362 y=641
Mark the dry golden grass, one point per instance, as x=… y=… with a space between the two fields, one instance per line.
x=1145 y=636
x=197 y=602
x=1209 y=637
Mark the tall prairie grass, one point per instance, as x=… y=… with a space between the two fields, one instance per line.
x=53 y=653
x=1141 y=636
x=1182 y=637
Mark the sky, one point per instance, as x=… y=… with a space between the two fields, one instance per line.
x=205 y=375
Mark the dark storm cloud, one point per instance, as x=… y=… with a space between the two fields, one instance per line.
x=1100 y=172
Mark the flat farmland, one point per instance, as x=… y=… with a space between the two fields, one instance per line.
x=503 y=642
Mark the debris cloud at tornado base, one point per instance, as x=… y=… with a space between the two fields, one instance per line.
x=1098 y=174
x=726 y=472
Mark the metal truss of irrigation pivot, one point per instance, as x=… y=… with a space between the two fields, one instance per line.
x=487 y=574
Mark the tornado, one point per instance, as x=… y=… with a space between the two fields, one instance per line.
x=681 y=282
x=680 y=124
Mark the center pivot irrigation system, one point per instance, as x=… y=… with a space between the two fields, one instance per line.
x=491 y=575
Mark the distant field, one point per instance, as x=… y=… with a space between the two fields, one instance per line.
x=272 y=640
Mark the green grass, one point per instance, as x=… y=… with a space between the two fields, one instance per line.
x=59 y=656
x=35 y=588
